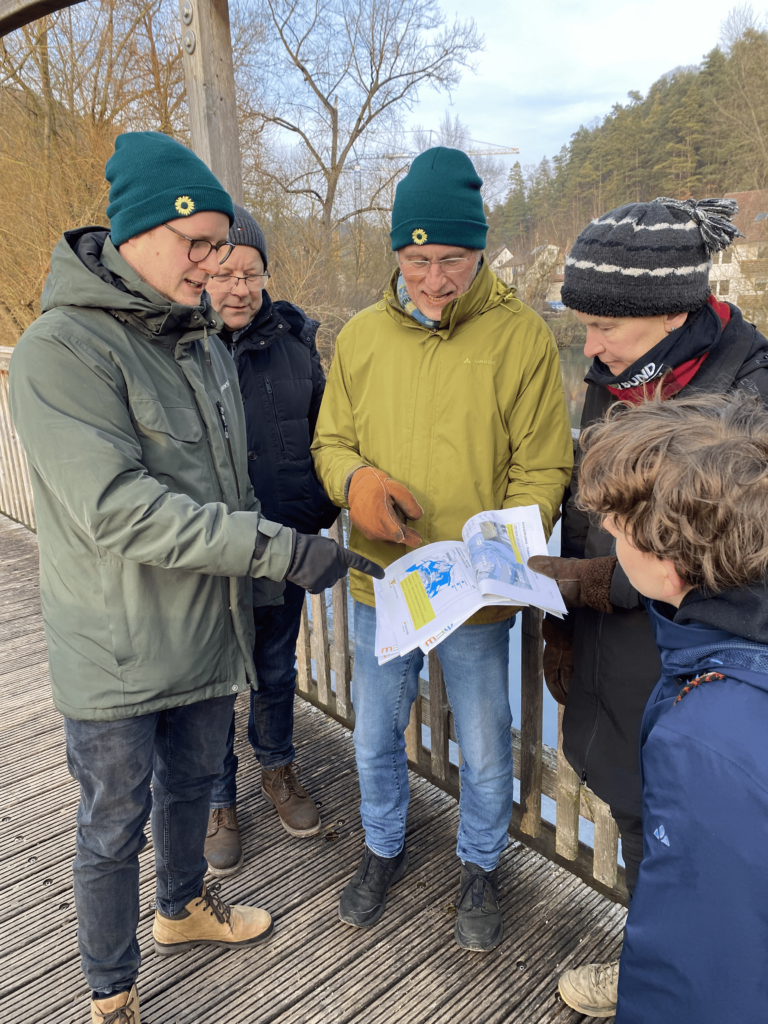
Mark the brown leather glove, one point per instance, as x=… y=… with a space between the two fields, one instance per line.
x=558 y=657
x=374 y=501
x=583 y=582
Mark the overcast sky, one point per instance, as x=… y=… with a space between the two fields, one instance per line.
x=552 y=65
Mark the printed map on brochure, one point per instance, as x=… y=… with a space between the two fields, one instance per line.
x=429 y=592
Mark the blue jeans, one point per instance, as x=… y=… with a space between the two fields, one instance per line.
x=180 y=751
x=475 y=663
x=270 y=722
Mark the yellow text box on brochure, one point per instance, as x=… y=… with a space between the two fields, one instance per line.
x=419 y=605
x=513 y=542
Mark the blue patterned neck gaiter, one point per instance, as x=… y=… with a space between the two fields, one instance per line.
x=410 y=306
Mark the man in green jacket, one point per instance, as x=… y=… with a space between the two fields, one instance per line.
x=443 y=400
x=152 y=551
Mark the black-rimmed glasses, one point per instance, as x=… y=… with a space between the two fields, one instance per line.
x=200 y=248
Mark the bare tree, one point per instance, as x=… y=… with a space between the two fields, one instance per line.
x=452 y=132
x=341 y=74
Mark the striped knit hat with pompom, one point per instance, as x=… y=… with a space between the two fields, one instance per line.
x=647 y=259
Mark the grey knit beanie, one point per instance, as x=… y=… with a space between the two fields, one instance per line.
x=647 y=259
x=245 y=231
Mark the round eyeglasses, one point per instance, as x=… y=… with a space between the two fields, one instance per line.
x=200 y=248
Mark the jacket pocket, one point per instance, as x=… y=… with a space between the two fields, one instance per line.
x=161 y=423
x=273 y=407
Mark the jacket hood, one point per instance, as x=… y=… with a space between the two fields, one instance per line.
x=88 y=271
x=485 y=292
x=743 y=612
x=691 y=647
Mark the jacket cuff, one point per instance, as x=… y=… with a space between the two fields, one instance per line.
x=596 y=579
x=273 y=550
x=348 y=481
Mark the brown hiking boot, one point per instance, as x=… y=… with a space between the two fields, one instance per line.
x=119 y=1009
x=208 y=921
x=223 y=849
x=592 y=990
x=299 y=815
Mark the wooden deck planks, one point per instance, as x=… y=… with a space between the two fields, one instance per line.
x=314 y=970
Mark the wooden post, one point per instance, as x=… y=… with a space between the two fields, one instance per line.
x=567 y=835
x=605 y=867
x=413 y=732
x=531 y=684
x=210 y=79
x=304 y=652
x=340 y=650
x=438 y=718
x=320 y=647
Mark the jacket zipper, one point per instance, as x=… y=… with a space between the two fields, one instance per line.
x=268 y=386
x=229 y=446
x=597 y=708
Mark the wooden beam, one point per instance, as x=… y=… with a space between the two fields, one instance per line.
x=17 y=13
x=210 y=79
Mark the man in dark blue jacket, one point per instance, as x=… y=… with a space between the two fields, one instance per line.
x=683 y=487
x=282 y=382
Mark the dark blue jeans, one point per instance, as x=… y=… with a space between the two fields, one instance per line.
x=180 y=751
x=270 y=722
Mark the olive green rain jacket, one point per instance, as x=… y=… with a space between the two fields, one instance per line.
x=470 y=417
x=147 y=522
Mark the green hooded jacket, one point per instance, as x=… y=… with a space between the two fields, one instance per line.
x=147 y=522
x=470 y=416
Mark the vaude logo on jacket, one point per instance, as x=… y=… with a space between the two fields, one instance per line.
x=649 y=372
x=661 y=834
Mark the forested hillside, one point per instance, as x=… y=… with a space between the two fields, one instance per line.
x=700 y=131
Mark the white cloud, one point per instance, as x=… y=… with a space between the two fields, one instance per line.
x=550 y=66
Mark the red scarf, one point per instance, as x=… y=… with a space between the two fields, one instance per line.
x=674 y=380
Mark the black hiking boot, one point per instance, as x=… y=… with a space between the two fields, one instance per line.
x=364 y=898
x=479 y=925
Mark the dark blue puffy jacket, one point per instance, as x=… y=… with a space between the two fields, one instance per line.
x=696 y=947
x=282 y=383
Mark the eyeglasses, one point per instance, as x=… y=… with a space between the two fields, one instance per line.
x=449 y=265
x=253 y=282
x=200 y=248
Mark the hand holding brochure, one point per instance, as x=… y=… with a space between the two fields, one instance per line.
x=429 y=592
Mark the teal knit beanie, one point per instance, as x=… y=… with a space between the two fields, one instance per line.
x=439 y=201
x=154 y=179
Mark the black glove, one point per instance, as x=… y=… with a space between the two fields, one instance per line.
x=319 y=562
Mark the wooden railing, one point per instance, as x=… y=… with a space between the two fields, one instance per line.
x=541 y=770
x=15 y=488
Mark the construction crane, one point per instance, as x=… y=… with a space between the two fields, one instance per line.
x=495 y=150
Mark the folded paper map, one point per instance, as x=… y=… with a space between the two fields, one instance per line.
x=432 y=590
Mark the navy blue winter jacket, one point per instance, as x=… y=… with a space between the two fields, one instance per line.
x=282 y=383
x=696 y=947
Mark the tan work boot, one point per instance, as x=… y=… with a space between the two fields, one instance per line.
x=120 y=1009
x=223 y=848
x=208 y=921
x=299 y=815
x=592 y=990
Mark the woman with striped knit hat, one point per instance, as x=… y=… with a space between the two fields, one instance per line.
x=638 y=280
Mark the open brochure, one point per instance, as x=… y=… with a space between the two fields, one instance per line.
x=431 y=591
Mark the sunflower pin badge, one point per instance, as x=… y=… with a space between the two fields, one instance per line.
x=419 y=236
x=184 y=206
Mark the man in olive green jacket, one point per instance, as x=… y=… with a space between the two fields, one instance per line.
x=443 y=400
x=152 y=550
